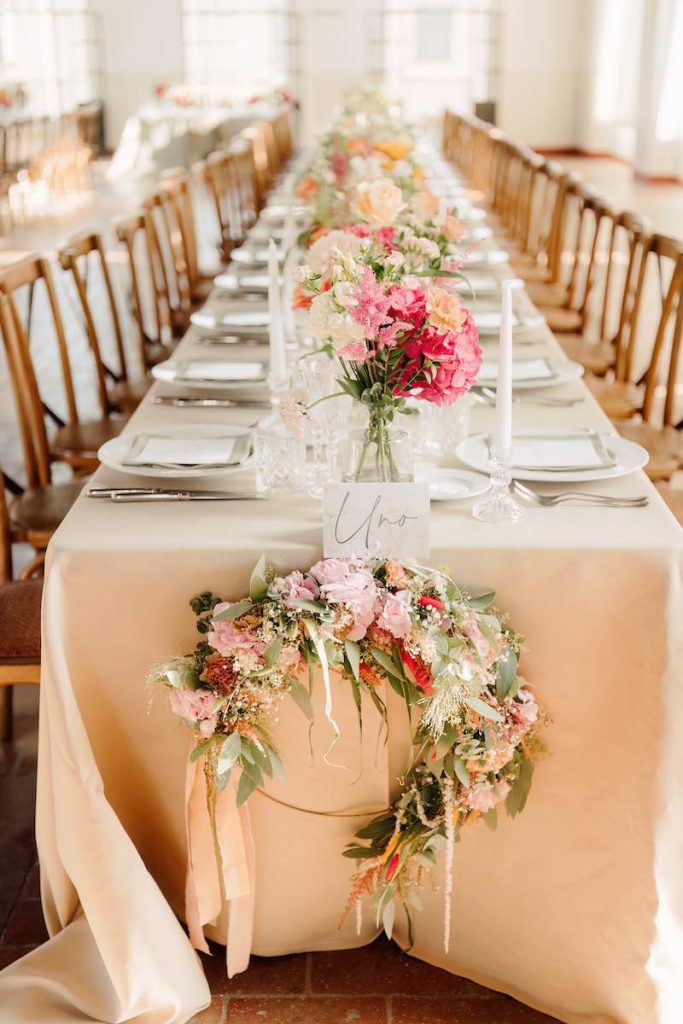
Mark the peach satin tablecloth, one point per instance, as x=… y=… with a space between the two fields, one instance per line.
x=575 y=907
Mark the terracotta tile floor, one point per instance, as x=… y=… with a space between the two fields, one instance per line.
x=374 y=985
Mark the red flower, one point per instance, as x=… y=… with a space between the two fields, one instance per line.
x=393 y=865
x=431 y=602
x=419 y=671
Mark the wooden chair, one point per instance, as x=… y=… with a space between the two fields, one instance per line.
x=649 y=399
x=155 y=333
x=74 y=441
x=116 y=390
x=167 y=265
x=569 y=306
x=36 y=510
x=230 y=180
x=597 y=347
x=19 y=625
x=541 y=265
x=175 y=184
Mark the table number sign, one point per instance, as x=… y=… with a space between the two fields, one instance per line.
x=391 y=520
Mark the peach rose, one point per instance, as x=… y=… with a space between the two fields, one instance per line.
x=445 y=311
x=452 y=228
x=378 y=202
x=425 y=204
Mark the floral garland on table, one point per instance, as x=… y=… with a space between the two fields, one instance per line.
x=450 y=657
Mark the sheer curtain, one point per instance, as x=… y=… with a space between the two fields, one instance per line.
x=632 y=102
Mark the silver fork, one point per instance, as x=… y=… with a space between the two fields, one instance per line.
x=576 y=497
x=488 y=395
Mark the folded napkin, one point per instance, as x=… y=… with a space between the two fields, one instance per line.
x=554 y=452
x=245 y=319
x=478 y=284
x=177 y=451
x=488 y=320
x=205 y=369
x=522 y=369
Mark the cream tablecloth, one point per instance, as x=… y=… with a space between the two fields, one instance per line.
x=575 y=907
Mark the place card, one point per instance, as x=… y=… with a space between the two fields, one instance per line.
x=375 y=519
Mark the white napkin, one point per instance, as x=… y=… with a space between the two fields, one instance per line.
x=522 y=369
x=488 y=320
x=478 y=284
x=172 y=451
x=248 y=318
x=555 y=451
x=207 y=370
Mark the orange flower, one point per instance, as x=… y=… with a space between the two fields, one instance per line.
x=356 y=147
x=308 y=188
x=300 y=300
x=395 y=149
x=318 y=233
x=368 y=675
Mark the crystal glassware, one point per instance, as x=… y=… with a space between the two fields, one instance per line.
x=498 y=505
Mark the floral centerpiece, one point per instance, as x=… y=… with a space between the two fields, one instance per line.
x=395 y=337
x=451 y=658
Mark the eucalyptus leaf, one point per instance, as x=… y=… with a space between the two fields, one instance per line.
x=278 y=767
x=483 y=601
x=360 y=853
x=352 y=651
x=483 y=709
x=223 y=779
x=309 y=606
x=258 y=586
x=491 y=819
x=461 y=772
x=246 y=787
x=517 y=797
x=230 y=751
x=506 y=672
x=386 y=663
x=201 y=748
x=234 y=611
x=272 y=654
x=302 y=698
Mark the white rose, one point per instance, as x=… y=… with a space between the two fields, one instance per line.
x=302 y=272
x=322 y=252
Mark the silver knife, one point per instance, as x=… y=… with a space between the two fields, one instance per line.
x=122 y=496
x=204 y=403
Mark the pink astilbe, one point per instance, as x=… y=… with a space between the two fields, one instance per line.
x=372 y=304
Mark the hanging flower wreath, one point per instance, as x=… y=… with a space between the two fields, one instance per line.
x=450 y=657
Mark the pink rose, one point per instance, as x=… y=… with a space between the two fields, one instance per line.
x=296 y=586
x=289 y=657
x=193 y=705
x=395 y=614
x=226 y=638
x=474 y=633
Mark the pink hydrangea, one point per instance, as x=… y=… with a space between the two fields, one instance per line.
x=385 y=236
x=193 y=705
x=343 y=582
x=485 y=798
x=296 y=586
x=408 y=304
x=457 y=359
x=226 y=638
x=360 y=230
x=395 y=614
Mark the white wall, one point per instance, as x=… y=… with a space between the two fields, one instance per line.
x=141 y=43
x=544 y=60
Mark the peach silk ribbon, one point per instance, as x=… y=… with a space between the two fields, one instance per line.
x=220 y=866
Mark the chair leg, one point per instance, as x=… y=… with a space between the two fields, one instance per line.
x=6 y=718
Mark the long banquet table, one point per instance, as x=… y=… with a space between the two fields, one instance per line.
x=575 y=907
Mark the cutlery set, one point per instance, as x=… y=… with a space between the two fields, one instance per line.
x=488 y=396
x=575 y=498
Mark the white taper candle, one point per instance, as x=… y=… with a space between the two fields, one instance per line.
x=503 y=435
x=278 y=359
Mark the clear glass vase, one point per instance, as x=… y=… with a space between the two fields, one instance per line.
x=379 y=452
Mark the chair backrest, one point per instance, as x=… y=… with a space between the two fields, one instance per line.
x=77 y=257
x=175 y=184
x=651 y=338
x=5 y=533
x=27 y=399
